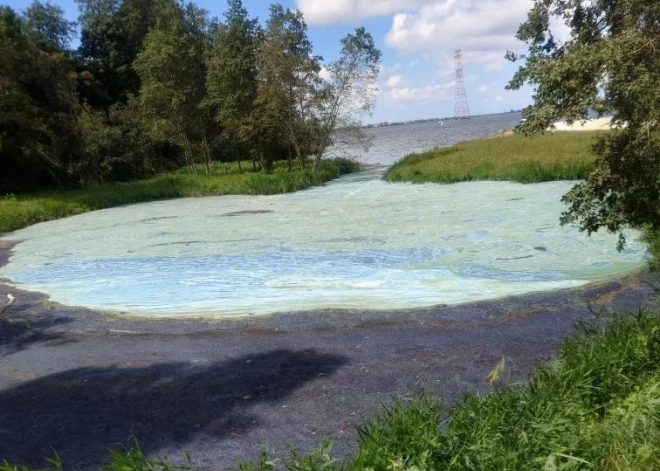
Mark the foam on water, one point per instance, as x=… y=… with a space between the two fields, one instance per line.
x=357 y=243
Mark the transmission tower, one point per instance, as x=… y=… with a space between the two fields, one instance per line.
x=461 y=110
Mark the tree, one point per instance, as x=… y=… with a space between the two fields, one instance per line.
x=349 y=92
x=610 y=63
x=112 y=33
x=39 y=140
x=231 y=74
x=98 y=142
x=287 y=81
x=171 y=72
x=46 y=21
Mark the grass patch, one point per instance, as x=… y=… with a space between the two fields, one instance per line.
x=18 y=211
x=652 y=239
x=552 y=156
x=595 y=407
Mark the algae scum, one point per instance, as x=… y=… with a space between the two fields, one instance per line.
x=357 y=243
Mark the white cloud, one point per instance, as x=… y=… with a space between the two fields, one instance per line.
x=432 y=92
x=340 y=11
x=385 y=70
x=325 y=73
x=430 y=31
x=395 y=81
x=485 y=87
x=482 y=29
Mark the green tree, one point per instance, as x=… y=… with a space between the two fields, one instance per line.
x=46 y=21
x=610 y=63
x=231 y=74
x=171 y=72
x=287 y=81
x=100 y=50
x=136 y=154
x=39 y=142
x=349 y=92
x=112 y=33
x=98 y=144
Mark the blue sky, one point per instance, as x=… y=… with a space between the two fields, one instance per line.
x=417 y=38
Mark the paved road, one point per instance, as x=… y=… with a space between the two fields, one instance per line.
x=79 y=381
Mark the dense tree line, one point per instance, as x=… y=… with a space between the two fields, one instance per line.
x=157 y=84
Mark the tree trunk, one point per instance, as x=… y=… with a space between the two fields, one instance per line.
x=207 y=156
x=205 y=149
x=186 y=151
x=265 y=163
x=237 y=156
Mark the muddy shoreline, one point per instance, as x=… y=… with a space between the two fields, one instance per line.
x=79 y=381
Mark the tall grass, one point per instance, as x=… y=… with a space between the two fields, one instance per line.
x=555 y=156
x=18 y=211
x=652 y=239
x=596 y=406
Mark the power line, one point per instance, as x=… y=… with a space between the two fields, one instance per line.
x=461 y=109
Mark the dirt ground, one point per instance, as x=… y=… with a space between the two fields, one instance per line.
x=78 y=381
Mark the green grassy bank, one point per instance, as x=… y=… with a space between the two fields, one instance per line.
x=596 y=406
x=20 y=211
x=553 y=156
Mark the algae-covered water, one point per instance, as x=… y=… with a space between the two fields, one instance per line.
x=357 y=243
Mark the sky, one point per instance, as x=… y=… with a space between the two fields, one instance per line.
x=418 y=39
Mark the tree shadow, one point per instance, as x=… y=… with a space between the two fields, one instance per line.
x=18 y=333
x=82 y=412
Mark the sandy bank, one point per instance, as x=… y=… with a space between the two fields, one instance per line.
x=600 y=124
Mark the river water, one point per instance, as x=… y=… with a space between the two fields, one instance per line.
x=393 y=142
x=356 y=243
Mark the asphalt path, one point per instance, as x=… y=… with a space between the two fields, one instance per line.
x=79 y=381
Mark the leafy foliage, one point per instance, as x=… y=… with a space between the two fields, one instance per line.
x=38 y=110
x=171 y=71
x=46 y=21
x=610 y=63
x=231 y=75
x=153 y=86
x=350 y=91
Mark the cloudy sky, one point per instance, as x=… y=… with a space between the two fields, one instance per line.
x=417 y=38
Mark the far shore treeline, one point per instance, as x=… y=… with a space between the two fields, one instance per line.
x=157 y=85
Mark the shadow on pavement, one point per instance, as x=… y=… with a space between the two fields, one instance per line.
x=18 y=333
x=80 y=413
